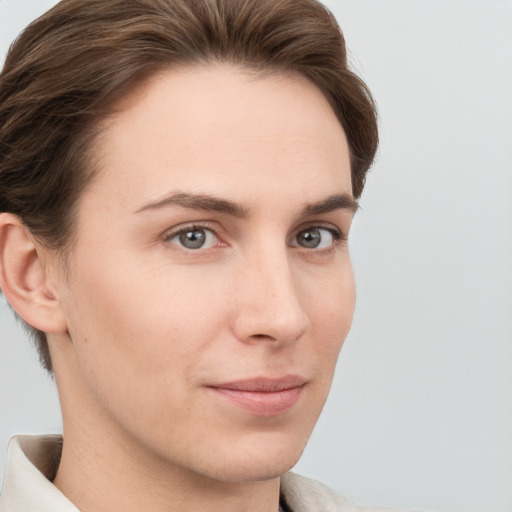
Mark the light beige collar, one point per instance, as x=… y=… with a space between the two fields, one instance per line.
x=26 y=486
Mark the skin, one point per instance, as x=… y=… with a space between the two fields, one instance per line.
x=142 y=327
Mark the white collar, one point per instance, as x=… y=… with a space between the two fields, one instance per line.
x=26 y=486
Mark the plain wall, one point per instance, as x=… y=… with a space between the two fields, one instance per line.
x=420 y=416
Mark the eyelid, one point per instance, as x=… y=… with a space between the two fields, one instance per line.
x=171 y=233
x=335 y=230
x=339 y=236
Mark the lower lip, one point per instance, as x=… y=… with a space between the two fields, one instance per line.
x=262 y=403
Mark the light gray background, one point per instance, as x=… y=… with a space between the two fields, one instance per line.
x=420 y=415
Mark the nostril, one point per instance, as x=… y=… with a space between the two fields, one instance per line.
x=263 y=337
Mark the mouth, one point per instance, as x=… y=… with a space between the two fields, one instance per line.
x=262 y=396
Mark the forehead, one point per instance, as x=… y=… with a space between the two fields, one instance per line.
x=217 y=127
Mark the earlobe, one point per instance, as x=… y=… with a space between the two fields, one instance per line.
x=24 y=278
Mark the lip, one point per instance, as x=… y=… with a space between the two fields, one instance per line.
x=262 y=396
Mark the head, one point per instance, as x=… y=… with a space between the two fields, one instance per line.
x=183 y=172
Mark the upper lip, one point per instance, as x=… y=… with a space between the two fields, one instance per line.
x=263 y=384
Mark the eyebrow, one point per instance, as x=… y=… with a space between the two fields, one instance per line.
x=334 y=202
x=210 y=203
x=199 y=202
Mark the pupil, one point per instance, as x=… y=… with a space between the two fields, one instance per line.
x=193 y=239
x=310 y=238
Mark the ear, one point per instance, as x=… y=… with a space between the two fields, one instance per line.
x=24 y=279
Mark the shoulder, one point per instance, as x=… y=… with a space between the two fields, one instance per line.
x=306 y=495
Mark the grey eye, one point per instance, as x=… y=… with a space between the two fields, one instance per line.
x=315 y=238
x=195 y=238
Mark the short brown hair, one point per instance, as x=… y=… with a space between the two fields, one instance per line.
x=67 y=68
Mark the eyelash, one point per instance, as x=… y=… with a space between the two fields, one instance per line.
x=205 y=226
x=338 y=239
x=338 y=236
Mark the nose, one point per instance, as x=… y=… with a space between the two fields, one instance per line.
x=268 y=301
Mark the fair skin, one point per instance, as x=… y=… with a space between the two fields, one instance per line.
x=196 y=328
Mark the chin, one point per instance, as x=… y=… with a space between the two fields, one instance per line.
x=257 y=461
x=250 y=471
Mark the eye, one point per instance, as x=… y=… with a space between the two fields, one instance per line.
x=194 y=238
x=316 y=238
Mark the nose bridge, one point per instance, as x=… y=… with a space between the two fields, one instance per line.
x=269 y=302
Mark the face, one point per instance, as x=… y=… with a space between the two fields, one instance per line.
x=210 y=288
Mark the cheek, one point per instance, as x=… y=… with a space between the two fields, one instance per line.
x=332 y=309
x=330 y=295
x=147 y=324
x=143 y=341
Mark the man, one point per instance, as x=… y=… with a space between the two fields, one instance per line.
x=177 y=182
